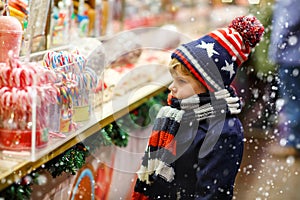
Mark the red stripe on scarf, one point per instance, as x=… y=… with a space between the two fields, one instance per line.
x=139 y=196
x=170 y=96
x=163 y=139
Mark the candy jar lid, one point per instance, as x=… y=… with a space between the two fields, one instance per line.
x=11 y=24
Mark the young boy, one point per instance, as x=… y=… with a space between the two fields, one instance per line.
x=196 y=146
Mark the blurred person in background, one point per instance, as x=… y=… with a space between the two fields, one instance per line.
x=284 y=51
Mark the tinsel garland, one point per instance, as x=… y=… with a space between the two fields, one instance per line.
x=74 y=158
x=70 y=161
x=118 y=136
x=20 y=190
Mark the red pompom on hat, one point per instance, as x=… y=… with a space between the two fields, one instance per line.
x=249 y=28
x=214 y=58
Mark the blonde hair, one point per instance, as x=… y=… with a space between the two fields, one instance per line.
x=175 y=65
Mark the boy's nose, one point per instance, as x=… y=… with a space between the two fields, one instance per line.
x=171 y=86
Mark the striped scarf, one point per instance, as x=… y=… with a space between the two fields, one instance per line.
x=161 y=151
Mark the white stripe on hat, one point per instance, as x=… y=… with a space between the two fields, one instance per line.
x=235 y=35
x=199 y=68
x=232 y=48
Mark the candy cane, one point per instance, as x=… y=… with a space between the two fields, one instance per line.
x=16 y=76
x=51 y=94
x=6 y=75
x=93 y=75
x=15 y=95
x=54 y=61
x=3 y=90
x=69 y=93
x=47 y=76
x=80 y=61
x=77 y=79
x=23 y=99
x=64 y=94
x=47 y=58
x=6 y=99
x=58 y=96
x=63 y=76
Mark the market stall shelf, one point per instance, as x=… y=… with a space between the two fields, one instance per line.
x=14 y=167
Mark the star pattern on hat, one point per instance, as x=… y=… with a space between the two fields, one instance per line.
x=228 y=67
x=209 y=47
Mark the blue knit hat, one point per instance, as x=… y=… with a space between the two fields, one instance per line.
x=214 y=58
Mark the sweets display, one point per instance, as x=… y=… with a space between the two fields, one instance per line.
x=10 y=37
x=150 y=65
x=65 y=84
x=125 y=77
x=75 y=85
x=134 y=59
x=19 y=82
x=61 y=112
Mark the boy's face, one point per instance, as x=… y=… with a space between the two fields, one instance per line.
x=184 y=86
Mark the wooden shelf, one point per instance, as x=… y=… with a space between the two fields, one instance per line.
x=12 y=168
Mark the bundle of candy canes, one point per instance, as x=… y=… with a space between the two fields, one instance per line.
x=71 y=66
x=18 y=83
x=65 y=61
x=66 y=89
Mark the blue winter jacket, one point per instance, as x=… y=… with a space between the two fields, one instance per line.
x=285 y=35
x=204 y=174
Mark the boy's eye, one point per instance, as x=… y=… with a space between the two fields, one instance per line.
x=182 y=81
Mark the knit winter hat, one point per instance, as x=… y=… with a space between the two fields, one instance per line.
x=214 y=58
